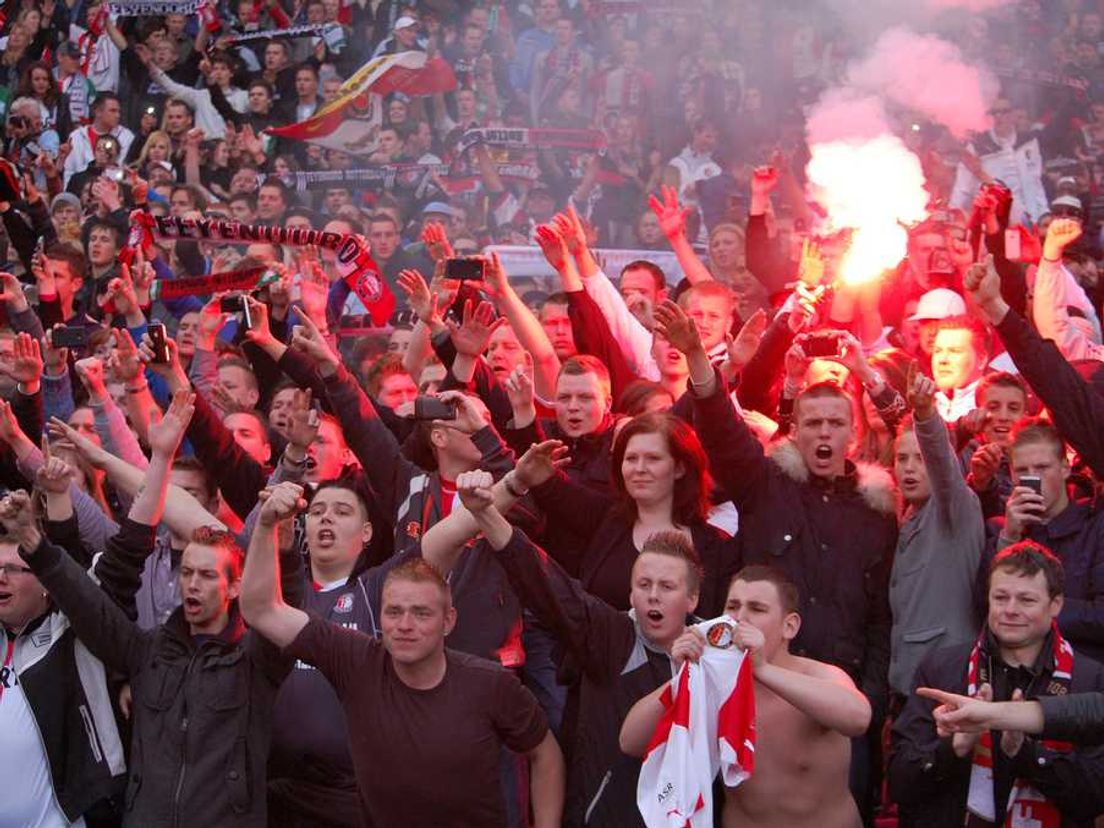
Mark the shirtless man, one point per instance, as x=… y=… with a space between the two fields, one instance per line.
x=806 y=713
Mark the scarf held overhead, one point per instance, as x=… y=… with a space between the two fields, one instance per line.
x=352 y=253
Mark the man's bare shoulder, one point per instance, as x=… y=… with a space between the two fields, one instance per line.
x=821 y=670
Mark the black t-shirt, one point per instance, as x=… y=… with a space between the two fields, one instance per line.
x=405 y=742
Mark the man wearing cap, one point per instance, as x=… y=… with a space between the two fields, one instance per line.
x=404 y=38
x=922 y=325
x=74 y=83
x=65 y=212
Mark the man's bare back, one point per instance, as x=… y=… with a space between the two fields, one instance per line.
x=801 y=768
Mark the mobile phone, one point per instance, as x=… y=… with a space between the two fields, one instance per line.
x=114 y=174
x=69 y=337
x=432 y=408
x=465 y=268
x=1031 y=481
x=822 y=345
x=237 y=304
x=159 y=343
x=1013 y=248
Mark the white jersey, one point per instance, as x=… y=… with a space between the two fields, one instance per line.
x=708 y=725
x=28 y=800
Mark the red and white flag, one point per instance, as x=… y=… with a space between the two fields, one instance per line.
x=708 y=726
x=351 y=122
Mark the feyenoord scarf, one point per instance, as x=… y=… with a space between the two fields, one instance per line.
x=332 y=33
x=390 y=174
x=1026 y=806
x=525 y=138
x=248 y=279
x=153 y=8
x=352 y=253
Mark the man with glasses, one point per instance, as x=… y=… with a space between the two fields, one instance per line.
x=1014 y=157
x=62 y=753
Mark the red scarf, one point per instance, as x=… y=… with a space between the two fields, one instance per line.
x=87 y=41
x=1026 y=806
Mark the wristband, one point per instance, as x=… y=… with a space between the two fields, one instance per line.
x=295 y=464
x=510 y=482
x=137 y=389
x=1053 y=261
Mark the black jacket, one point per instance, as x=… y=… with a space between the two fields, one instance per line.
x=930 y=784
x=617 y=668
x=1076 y=406
x=834 y=538
x=202 y=711
x=1078 y=717
x=603 y=560
x=67 y=693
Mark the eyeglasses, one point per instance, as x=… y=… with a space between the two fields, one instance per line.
x=8 y=570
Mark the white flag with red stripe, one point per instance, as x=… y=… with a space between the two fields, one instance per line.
x=708 y=726
x=351 y=122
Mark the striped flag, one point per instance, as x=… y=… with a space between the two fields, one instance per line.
x=351 y=122
x=708 y=725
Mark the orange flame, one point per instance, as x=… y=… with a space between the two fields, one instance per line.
x=872 y=187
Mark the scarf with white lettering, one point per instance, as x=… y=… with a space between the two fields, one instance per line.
x=352 y=252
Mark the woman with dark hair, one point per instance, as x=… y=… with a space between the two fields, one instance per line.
x=661 y=483
x=38 y=82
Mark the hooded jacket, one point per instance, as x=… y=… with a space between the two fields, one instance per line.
x=833 y=538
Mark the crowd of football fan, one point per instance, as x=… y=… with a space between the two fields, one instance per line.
x=267 y=561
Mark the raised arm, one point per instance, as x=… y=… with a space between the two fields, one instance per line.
x=99 y=623
x=735 y=454
x=1077 y=407
x=951 y=494
x=261 y=600
x=527 y=328
x=183 y=514
x=1056 y=290
x=672 y=220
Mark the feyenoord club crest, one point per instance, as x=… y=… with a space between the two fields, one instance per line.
x=721 y=635
x=413 y=529
x=368 y=288
x=344 y=603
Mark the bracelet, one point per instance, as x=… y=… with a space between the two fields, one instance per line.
x=1053 y=261
x=295 y=464
x=137 y=389
x=510 y=481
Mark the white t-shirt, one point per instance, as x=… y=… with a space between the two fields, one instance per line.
x=28 y=800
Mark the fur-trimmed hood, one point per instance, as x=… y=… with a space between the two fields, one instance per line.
x=873 y=482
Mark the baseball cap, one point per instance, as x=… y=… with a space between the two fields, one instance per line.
x=405 y=22
x=1067 y=203
x=65 y=199
x=940 y=303
x=440 y=208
